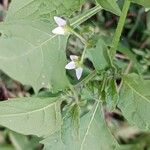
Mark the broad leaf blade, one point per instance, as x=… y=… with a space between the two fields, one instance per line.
x=145 y=3
x=33 y=9
x=110 y=5
x=31 y=116
x=93 y=134
x=135 y=101
x=98 y=55
x=30 y=53
x=36 y=59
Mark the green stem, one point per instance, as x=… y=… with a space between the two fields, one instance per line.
x=85 y=16
x=83 y=55
x=119 y=29
x=79 y=36
x=75 y=94
x=82 y=18
x=79 y=20
x=87 y=79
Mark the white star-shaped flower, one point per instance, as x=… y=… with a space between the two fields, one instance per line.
x=74 y=64
x=61 y=26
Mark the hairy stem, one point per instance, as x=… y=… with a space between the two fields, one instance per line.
x=84 y=41
x=83 y=55
x=87 y=79
x=85 y=16
x=74 y=93
x=119 y=29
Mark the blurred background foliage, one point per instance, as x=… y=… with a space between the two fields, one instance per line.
x=134 y=46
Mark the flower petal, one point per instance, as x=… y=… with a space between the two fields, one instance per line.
x=59 y=30
x=70 y=65
x=60 y=22
x=79 y=72
x=73 y=57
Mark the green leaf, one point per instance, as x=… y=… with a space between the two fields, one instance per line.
x=54 y=142
x=31 y=116
x=75 y=115
x=131 y=147
x=127 y=52
x=110 y=5
x=29 y=52
x=85 y=15
x=19 y=141
x=98 y=55
x=145 y=3
x=33 y=9
x=22 y=142
x=112 y=96
x=6 y=147
x=93 y=134
x=19 y=50
x=135 y=101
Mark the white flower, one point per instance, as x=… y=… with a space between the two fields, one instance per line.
x=74 y=64
x=61 y=26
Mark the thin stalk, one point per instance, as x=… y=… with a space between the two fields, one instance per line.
x=83 y=40
x=75 y=94
x=87 y=79
x=83 y=55
x=132 y=31
x=119 y=29
x=85 y=16
x=80 y=19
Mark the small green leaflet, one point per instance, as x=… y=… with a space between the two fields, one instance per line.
x=98 y=55
x=31 y=116
x=29 y=52
x=112 y=96
x=127 y=52
x=85 y=15
x=145 y=3
x=22 y=142
x=110 y=5
x=75 y=115
x=135 y=101
x=93 y=134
